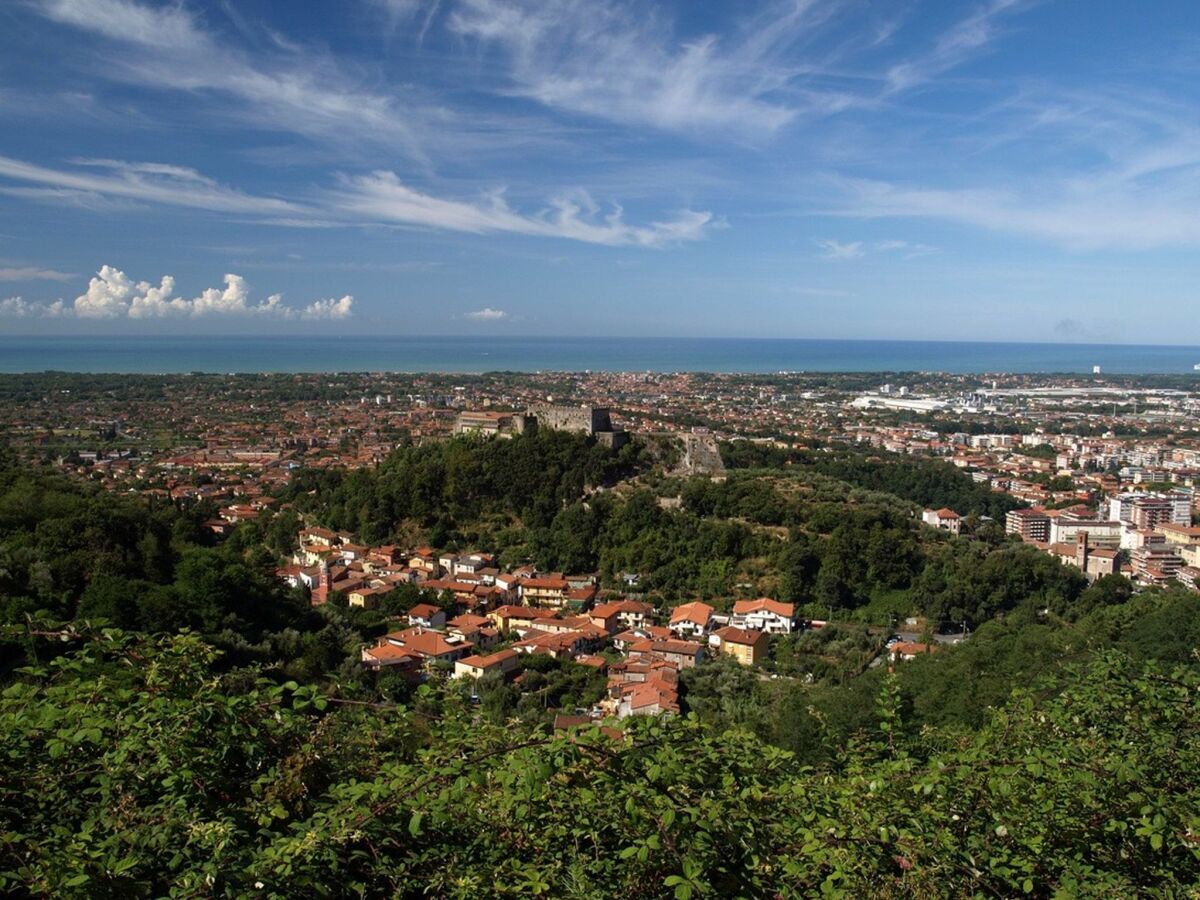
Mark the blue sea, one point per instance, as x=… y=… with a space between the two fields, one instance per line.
x=574 y=354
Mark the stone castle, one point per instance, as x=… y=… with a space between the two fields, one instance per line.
x=591 y=420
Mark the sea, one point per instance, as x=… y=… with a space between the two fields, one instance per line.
x=245 y=354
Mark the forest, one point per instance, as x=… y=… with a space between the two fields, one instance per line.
x=176 y=721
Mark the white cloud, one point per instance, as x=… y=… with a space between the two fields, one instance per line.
x=487 y=314
x=838 y=250
x=17 y=308
x=301 y=90
x=33 y=273
x=378 y=198
x=112 y=294
x=152 y=182
x=20 y=308
x=907 y=249
x=383 y=197
x=1083 y=214
x=619 y=62
x=340 y=308
x=952 y=48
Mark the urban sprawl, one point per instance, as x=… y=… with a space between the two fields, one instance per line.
x=1104 y=471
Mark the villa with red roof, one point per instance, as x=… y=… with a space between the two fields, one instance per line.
x=764 y=615
x=691 y=619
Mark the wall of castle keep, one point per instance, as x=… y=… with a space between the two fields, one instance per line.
x=585 y=419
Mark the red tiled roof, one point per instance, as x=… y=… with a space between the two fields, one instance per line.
x=745 y=607
x=740 y=636
x=695 y=612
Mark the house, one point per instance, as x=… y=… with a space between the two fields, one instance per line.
x=502 y=662
x=582 y=598
x=560 y=645
x=634 y=613
x=511 y=618
x=321 y=537
x=506 y=581
x=647 y=700
x=385 y=556
x=430 y=646
x=293 y=575
x=468 y=623
x=366 y=597
x=606 y=616
x=625 y=639
x=680 y=654
x=1189 y=576
x=766 y=615
x=906 y=650
x=747 y=647
x=394 y=658
x=463 y=592
x=472 y=564
x=945 y=519
x=618 y=614
x=427 y=615
x=691 y=619
x=599 y=663
x=425 y=560
x=548 y=590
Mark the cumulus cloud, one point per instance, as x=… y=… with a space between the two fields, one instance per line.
x=383 y=197
x=20 y=308
x=340 y=308
x=112 y=294
x=487 y=314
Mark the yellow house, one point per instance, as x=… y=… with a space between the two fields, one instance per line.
x=747 y=647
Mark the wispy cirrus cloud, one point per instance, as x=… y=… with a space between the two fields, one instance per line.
x=383 y=197
x=623 y=63
x=1083 y=214
x=32 y=273
x=139 y=181
x=840 y=250
x=846 y=250
x=1099 y=169
x=378 y=198
x=112 y=294
x=953 y=47
x=296 y=89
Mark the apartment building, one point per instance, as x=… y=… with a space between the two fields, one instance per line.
x=1029 y=524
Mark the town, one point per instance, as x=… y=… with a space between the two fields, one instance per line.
x=1105 y=468
x=1086 y=479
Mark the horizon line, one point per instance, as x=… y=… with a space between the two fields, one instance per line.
x=596 y=337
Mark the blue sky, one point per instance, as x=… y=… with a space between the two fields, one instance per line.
x=999 y=170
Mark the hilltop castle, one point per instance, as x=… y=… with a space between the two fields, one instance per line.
x=591 y=420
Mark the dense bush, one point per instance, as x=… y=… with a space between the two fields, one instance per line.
x=132 y=768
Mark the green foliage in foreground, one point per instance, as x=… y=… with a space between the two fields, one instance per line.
x=131 y=767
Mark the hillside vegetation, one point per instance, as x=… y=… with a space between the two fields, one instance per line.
x=176 y=722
